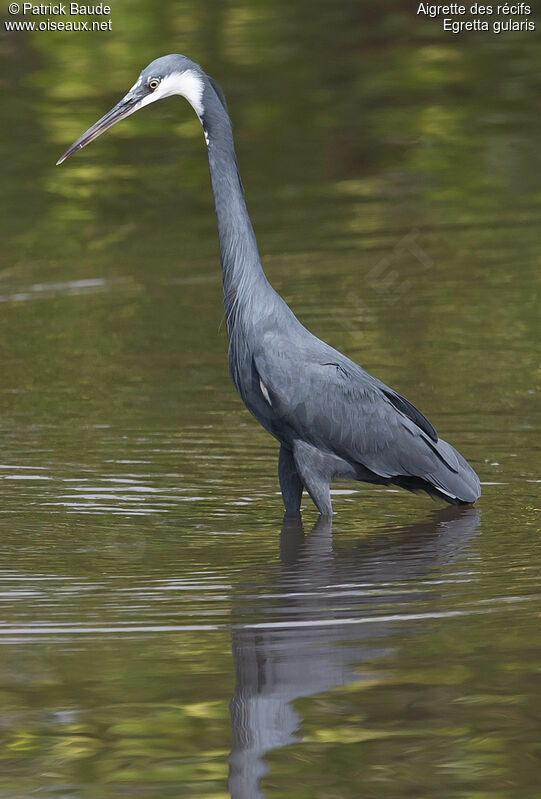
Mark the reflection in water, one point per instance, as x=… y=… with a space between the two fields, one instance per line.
x=395 y=192
x=326 y=599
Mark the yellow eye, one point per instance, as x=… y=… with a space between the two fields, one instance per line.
x=153 y=84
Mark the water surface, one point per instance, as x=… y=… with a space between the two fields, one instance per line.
x=161 y=633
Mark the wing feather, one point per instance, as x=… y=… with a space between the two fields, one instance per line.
x=335 y=405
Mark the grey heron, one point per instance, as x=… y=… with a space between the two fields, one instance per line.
x=331 y=418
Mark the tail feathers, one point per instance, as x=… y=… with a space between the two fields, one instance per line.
x=453 y=479
x=412 y=460
x=438 y=469
x=417 y=486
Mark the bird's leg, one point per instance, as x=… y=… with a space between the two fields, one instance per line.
x=290 y=482
x=311 y=468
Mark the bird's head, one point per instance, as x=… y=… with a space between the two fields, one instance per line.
x=171 y=74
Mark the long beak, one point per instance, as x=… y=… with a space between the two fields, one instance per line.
x=123 y=109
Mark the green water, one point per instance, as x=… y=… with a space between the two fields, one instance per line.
x=158 y=626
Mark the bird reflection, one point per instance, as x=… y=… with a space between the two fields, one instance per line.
x=322 y=600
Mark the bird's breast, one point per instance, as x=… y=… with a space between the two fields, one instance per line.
x=252 y=390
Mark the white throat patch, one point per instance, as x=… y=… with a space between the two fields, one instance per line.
x=188 y=84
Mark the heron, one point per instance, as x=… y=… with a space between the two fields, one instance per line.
x=332 y=419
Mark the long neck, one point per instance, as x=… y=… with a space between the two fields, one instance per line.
x=242 y=273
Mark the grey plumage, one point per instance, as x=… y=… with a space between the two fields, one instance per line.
x=332 y=418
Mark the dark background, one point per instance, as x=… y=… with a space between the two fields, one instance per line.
x=393 y=174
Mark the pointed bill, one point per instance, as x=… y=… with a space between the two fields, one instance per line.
x=130 y=103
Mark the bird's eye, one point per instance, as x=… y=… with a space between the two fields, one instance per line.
x=153 y=84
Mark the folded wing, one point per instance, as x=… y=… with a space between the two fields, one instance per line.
x=330 y=402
